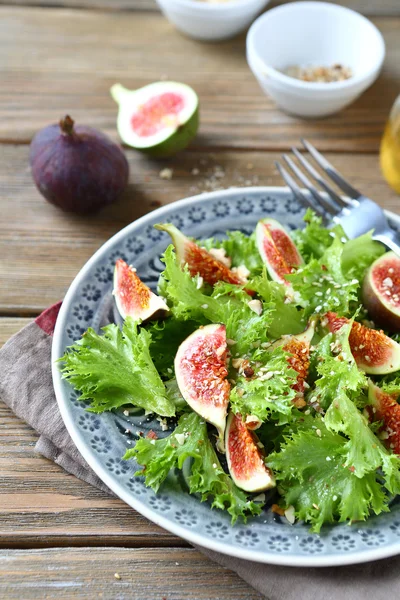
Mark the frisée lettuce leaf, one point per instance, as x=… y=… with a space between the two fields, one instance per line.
x=115 y=368
x=312 y=475
x=190 y=440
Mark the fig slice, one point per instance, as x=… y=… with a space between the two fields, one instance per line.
x=199 y=261
x=277 y=250
x=299 y=348
x=381 y=291
x=201 y=374
x=245 y=457
x=132 y=297
x=386 y=409
x=159 y=119
x=374 y=352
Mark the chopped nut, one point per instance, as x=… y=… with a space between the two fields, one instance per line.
x=180 y=438
x=253 y=422
x=277 y=510
x=166 y=174
x=336 y=72
x=220 y=254
x=259 y=498
x=242 y=272
x=255 y=306
x=289 y=514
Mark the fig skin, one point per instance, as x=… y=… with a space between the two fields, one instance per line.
x=78 y=169
x=384 y=313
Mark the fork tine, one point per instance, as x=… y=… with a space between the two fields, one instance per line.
x=308 y=166
x=321 y=201
x=302 y=198
x=331 y=171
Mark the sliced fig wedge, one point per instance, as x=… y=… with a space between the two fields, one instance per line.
x=299 y=348
x=245 y=457
x=132 y=297
x=386 y=409
x=201 y=372
x=199 y=261
x=374 y=352
x=381 y=291
x=277 y=250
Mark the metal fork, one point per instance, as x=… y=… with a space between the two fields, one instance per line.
x=357 y=215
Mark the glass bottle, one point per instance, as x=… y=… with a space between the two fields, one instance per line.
x=390 y=148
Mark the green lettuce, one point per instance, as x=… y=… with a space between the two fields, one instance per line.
x=227 y=304
x=321 y=285
x=287 y=318
x=166 y=336
x=364 y=452
x=269 y=394
x=241 y=248
x=335 y=369
x=314 y=239
x=359 y=254
x=312 y=475
x=115 y=368
x=190 y=441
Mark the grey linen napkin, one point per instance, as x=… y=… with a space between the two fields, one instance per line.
x=26 y=387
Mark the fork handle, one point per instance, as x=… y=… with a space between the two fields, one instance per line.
x=390 y=238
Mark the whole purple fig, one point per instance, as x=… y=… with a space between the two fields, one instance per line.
x=77 y=168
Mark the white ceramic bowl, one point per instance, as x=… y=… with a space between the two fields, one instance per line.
x=320 y=34
x=207 y=22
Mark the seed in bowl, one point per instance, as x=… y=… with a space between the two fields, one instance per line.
x=320 y=74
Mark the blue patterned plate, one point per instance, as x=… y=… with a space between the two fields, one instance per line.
x=102 y=440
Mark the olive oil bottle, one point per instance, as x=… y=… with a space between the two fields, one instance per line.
x=390 y=148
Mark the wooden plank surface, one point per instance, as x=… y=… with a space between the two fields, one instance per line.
x=41 y=505
x=42 y=248
x=42 y=79
x=145 y=574
x=52 y=508
x=366 y=7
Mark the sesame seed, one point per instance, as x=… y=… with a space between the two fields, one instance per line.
x=391 y=270
x=117 y=576
x=334 y=498
x=318 y=432
x=204 y=306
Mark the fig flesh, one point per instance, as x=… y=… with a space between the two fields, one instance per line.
x=245 y=457
x=159 y=119
x=386 y=409
x=277 y=250
x=299 y=348
x=77 y=168
x=199 y=261
x=201 y=374
x=374 y=352
x=132 y=297
x=381 y=291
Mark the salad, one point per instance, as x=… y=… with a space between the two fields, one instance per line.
x=262 y=358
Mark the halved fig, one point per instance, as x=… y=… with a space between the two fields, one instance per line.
x=277 y=250
x=381 y=291
x=386 y=409
x=245 y=457
x=132 y=297
x=201 y=372
x=374 y=352
x=199 y=261
x=299 y=348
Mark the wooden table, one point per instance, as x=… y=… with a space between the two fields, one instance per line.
x=58 y=536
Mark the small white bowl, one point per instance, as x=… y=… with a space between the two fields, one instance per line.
x=319 y=34
x=207 y=22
